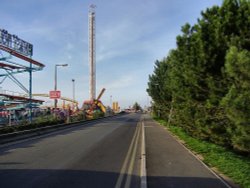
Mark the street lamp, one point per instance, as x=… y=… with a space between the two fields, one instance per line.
x=73 y=85
x=57 y=65
x=73 y=82
x=111 y=101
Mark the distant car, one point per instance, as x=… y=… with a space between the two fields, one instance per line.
x=122 y=112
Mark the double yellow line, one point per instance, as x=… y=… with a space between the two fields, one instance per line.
x=128 y=165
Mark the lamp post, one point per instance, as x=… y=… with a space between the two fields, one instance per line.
x=74 y=98
x=57 y=65
x=73 y=84
x=111 y=101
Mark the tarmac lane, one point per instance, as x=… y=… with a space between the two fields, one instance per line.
x=102 y=154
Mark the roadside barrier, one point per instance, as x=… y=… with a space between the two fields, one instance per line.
x=21 y=135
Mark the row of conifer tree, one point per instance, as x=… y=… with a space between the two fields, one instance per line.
x=204 y=84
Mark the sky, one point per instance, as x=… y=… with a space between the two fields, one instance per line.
x=130 y=36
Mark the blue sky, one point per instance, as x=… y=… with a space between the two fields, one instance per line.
x=130 y=36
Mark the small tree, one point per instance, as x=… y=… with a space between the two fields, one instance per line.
x=237 y=100
x=137 y=107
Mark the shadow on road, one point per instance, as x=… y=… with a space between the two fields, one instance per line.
x=81 y=178
x=183 y=182
x=57 y=178
x=81 y=126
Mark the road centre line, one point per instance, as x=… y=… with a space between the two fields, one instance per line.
x=133 y=157
x=125 y=164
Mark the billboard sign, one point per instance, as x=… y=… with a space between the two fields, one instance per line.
x=55 y=94
x=13 y=42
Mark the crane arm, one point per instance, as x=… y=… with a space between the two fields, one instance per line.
x=101 y=93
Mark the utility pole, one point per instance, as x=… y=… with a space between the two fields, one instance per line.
x=55 y=84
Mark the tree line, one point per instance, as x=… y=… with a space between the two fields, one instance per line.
x=203 y=85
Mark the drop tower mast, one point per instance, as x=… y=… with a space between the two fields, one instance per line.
x=92 y=58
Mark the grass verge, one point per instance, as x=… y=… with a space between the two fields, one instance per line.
x=234 y=166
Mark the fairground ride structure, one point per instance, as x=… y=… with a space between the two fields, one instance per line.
x=92 y=106
x=16 y=58
x=64 y=99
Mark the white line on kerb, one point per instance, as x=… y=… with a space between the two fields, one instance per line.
x=143 y=159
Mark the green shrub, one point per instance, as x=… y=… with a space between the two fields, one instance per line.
x=98 y=114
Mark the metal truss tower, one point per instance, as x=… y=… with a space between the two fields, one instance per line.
x=15 y=47
x=92 y=58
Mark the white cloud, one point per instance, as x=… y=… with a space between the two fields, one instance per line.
x=122 y=82
x=130 y=36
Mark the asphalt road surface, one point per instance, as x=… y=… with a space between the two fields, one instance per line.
x=104 y=154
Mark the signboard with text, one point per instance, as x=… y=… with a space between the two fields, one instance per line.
x=55 y=94
x=13 y=42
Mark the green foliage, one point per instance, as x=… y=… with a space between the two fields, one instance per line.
x=158 y=88
x=204 y=84
x=137 y=107
x=237 y=100
x=47 y=120
x=25 y=125
x=98 y=114
x=80 y=116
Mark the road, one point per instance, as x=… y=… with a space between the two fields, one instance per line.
x=95 y=155
x=103 y=154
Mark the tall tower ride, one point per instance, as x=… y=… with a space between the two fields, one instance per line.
x=92 y=58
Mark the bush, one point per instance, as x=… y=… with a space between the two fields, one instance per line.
x=98 y=114
x=25 y=125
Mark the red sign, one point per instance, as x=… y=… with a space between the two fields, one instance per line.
x=4 y=113
x=55 y=94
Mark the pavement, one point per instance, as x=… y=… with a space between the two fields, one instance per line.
x=171 y=165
